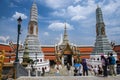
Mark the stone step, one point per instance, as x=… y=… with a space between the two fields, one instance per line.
x=71 y=78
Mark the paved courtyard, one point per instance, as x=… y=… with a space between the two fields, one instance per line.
x=70 y=78
x=64 y=76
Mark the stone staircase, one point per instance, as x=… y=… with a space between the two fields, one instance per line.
x=63 y=72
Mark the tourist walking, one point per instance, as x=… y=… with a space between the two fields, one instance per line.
x=85 y=67
x=75 y=71
x=68 y=66
x=104 y=65
x=80 y=71
x=99 y=70
x=43 y=72
x=90 y=68
x=57 y=73
x=112 y=63
x=58 y=66
x=95 y=69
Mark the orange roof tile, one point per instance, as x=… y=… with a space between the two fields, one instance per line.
x=7 y=59
x=48 y=49
x=50 y=57
x=10 y=54
x=86 y=49
x=5 y=47
x=117 y=48
x=85 y=57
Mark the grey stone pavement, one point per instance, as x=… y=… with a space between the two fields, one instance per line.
x=70 y=78
x=64 y=76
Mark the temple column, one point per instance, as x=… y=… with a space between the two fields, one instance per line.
x=29 y=73
x=29 y=70
x=72 y=61
x=63 y=60
x=36 y=72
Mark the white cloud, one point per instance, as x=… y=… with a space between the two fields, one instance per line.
x=111 y=7
x=4 y=39
x=76 y=1
x=59 y=26
x=18 y=1
x=60 y=13
x=57 y=39
x=77 y=18
x=46 y=33
x=113 y=34
x=17 y=15
x=113 y=31
x=77 y=12
x=55 y=4
x=12 y=5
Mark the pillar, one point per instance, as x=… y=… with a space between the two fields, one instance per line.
x=36 y=72
x=29 y=73
x=72 y=61
x=63 y=60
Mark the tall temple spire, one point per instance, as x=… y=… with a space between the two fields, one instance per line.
x=102 y=44
x=65 y=36
x=34 y=12
x=33 y=23
x=100 y=26
x=99 y=17
x=32 y=48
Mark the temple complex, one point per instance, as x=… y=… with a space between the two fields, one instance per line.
x=45 y=56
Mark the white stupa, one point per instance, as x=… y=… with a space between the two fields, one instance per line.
x=34 y=51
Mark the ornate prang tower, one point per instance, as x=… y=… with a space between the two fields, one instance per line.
x=33 y=24
x=65 y=36
x=32 y=44
x=102 y=45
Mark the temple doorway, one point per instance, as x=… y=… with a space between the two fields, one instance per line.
x=68 y=59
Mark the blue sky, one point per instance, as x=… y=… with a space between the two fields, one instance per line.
x=79 y=16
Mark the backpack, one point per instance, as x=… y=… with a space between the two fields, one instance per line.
x=112 y=60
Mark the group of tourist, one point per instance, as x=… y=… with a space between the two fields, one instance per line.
x=108 y=65
x=106 y=68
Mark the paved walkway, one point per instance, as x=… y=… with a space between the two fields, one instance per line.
x=64 y=76
x=70 y=78
x=63 y=72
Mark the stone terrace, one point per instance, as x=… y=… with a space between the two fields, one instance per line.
x=71 y=78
